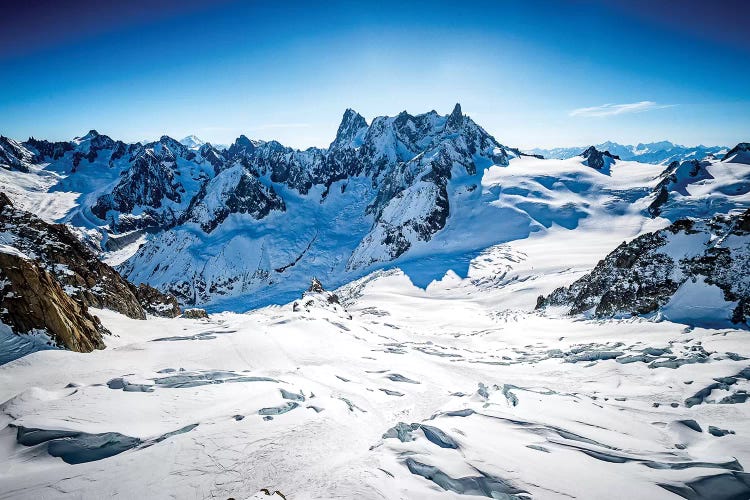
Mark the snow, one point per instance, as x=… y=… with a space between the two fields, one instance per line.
x=494 y=394
x=697 y=302
x=10 y=250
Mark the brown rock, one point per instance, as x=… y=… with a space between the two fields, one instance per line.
x=30 y=298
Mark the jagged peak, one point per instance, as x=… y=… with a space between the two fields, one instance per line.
x=456 y=118
x=91 y=134
x=350 y=130
x=591 y=150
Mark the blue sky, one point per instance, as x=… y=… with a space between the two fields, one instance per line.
x=534 y=73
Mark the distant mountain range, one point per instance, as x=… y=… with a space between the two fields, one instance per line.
x=662 y=152
x=253 y=223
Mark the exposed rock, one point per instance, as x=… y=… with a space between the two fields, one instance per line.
x=676 y=178
x=317 y=296
x=14 y=156
x=642 y=276
x=195 y=313
x=77 y=269
x=31 y=299
x=738 y=154
x=156 y=303
x=600 y=160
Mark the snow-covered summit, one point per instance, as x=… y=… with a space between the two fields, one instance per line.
x=250 y=224
x=192 y=142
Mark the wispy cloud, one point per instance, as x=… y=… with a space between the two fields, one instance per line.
x=619 y=109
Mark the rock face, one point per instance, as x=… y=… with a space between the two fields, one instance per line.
x=14 y=156
x=78 y=271
x=156 y=303
x=600 y=160
x=676 y=178
x=195 y=313
x=739 y=154
x=31 y=299
x=376 y=193
x=317 y=297
x=668 y=268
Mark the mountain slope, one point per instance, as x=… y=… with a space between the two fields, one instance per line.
x=694 y=270
x=249 y=225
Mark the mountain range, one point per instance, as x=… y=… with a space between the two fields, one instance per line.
x=415 y=311
x=661 y=152
x=249 y=225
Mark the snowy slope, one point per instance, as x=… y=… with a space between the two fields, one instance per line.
x=407 y=393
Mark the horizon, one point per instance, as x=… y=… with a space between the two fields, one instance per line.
x=369 y=123
x=581 y=72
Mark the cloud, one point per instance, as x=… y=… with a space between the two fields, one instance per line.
x=619 y=109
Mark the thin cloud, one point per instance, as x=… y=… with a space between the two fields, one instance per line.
x=619 y=109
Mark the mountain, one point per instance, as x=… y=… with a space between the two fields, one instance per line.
x=738 y=154
x=251 y=224
x=694 y=270
x=377 y=193
x=600 y=160
x=422 y=368
x=192 y=142
x=662 y=152
x=52 y=279
x=13 y=156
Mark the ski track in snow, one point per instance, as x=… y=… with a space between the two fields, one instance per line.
x=433 y=393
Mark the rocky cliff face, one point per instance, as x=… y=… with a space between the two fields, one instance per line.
x=14 y=156
x=31 y=299
x=739 y=154
x=77 y=270
x=600 y=160
x=686 y=265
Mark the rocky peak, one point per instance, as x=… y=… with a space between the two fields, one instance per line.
x=738 y=154
x=316 y=286
x=192 y=142
x=317 y=297
x=173 y=146
x=82 y=276
x=241 y=146
x=455 y=119
x=14 y=156
x=32 y=300
x=600 y=160
x=351 y=130
x=46 y=150
x=644 y=275
x=91 y=134
x=675 y=178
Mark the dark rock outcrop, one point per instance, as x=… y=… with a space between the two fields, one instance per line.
x=14 y=156
x=195 y=313
x=676 y=178
x=738 y=154
x=641 y=276
x=77 y=269
x=600 y=160
x=32 y=299
x=157 y=303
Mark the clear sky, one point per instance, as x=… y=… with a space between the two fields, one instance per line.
x=533 y=73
